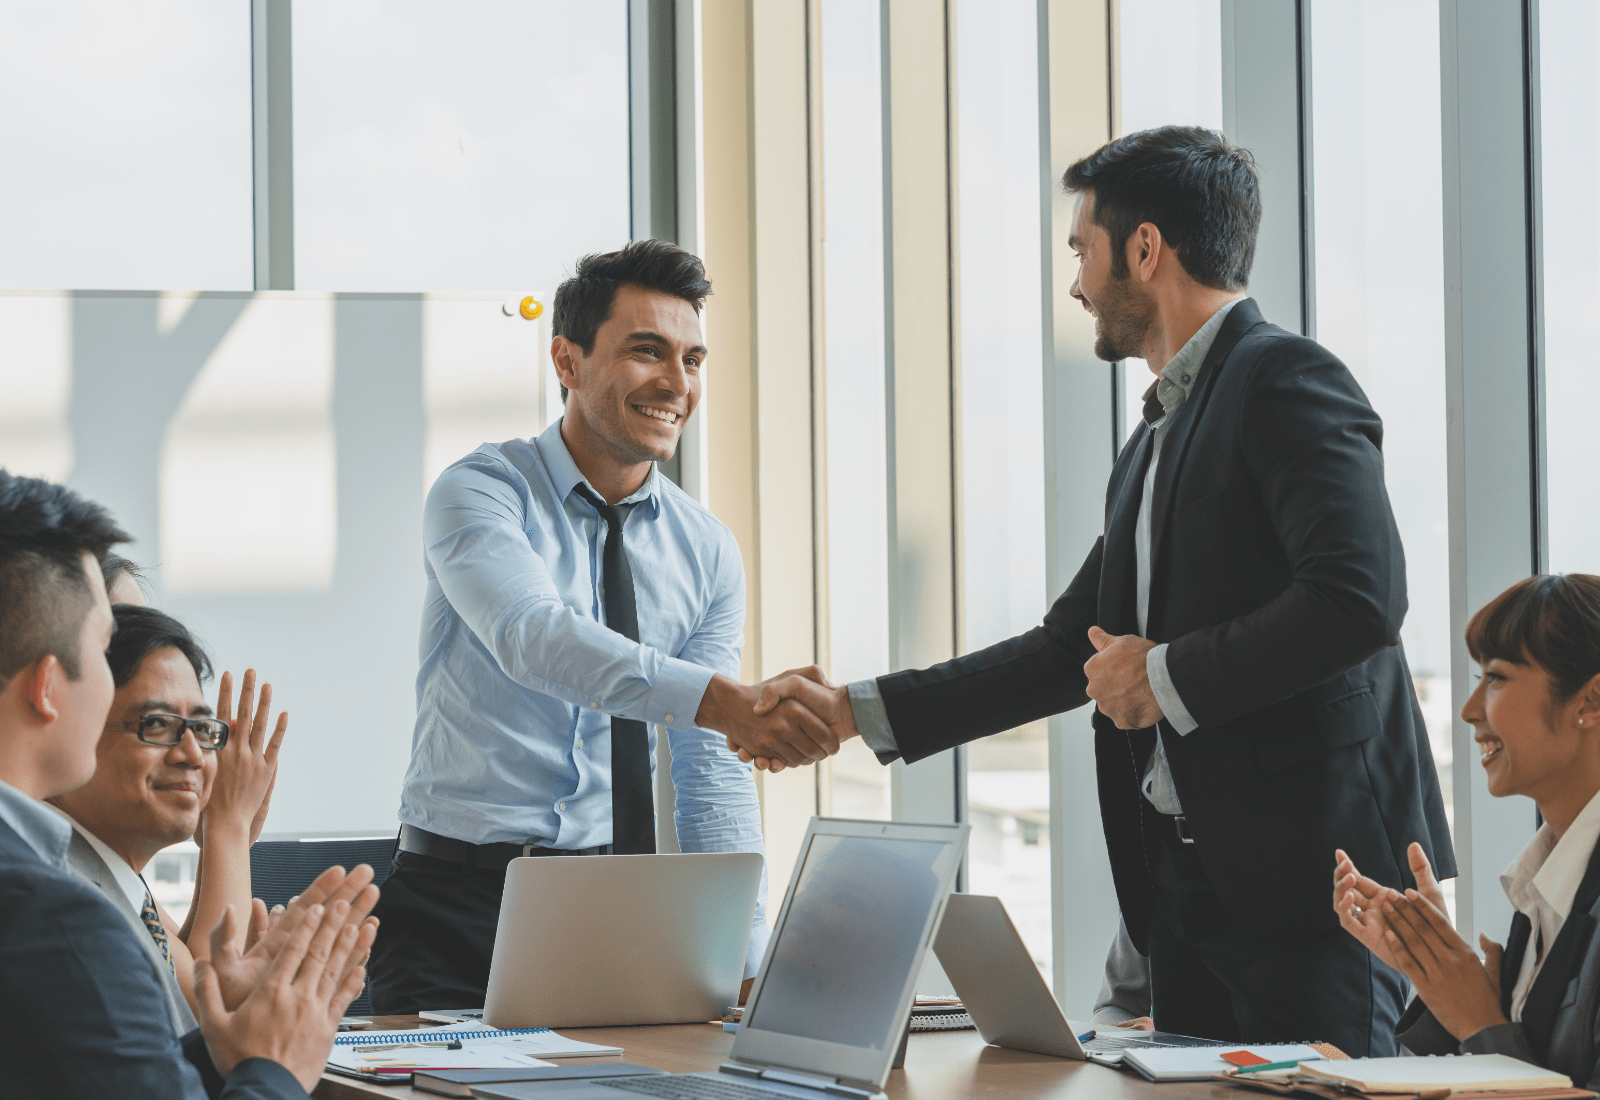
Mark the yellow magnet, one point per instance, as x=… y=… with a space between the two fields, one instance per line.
x=530 y=308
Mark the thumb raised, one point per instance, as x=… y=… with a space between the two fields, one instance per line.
x=1421 y=869
x=1099 y=638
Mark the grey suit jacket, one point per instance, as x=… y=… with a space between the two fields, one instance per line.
x=86 y=863
x=1560 y=1025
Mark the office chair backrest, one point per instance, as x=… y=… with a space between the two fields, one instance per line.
x=280 y=869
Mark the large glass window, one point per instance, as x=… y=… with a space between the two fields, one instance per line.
x=1380 y=287
x=1569 y=96
x=125 y=141
x=999 y=299
x=458 y=147
x=1168 y=73
x=853 y=304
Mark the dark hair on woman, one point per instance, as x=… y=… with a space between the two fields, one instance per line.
x=584 y=299
x=1551 y=620
x=116 y=566
x=143 y=630
x=45 y=596
x=1193 y=184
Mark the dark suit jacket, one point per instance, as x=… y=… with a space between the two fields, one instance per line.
x=88 y=1017
x=1278 y=580
x=1560 y=1025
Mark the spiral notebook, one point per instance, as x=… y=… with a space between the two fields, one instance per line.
x=394 y=1055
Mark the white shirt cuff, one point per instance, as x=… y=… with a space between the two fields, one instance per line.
x=1155 y=666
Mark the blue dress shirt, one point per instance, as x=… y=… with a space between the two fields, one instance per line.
x=520 y=675
x=45 y=830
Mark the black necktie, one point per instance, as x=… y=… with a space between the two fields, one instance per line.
x=633 y=810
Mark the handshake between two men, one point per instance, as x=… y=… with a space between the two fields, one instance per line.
x=798 y=717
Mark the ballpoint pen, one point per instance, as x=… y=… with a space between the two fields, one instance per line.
x=1267 y=1066
x=451 y=1044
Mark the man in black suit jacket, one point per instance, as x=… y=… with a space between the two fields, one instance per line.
x=1237 y=626
x=88 y=1017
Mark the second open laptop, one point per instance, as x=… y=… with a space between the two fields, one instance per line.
x=587 y=941
x=830 y=1004
x=1002 y=990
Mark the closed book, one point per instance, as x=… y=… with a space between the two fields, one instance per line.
x=460 y=1082
x=1458 y=1072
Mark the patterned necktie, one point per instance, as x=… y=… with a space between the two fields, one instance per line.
x=633 y=808
x=152 y=921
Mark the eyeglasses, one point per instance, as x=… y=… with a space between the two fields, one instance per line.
x=168 y=729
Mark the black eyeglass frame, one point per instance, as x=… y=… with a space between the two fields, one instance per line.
x=137 y=728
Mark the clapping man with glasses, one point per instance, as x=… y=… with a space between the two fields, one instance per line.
x=167 y=766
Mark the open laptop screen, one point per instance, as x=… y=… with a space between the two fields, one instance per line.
x=852 y=933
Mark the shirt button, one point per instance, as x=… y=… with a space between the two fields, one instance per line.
x=1186 y=378
x=594 y=704
x=669 y=719
x=580 y=742
x=562 y=806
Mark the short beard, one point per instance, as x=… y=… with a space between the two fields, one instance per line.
x=1125 y=319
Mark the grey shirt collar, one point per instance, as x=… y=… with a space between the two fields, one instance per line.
x=1177 y=379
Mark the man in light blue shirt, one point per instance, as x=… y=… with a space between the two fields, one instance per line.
x=579 y=606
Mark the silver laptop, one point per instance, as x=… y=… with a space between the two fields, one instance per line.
x=830 y=1005
x=587 y=941
x=1007 y=998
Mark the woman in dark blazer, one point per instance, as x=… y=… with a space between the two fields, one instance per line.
x=1536 y=718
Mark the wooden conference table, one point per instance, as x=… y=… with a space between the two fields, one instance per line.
x=940 y=1065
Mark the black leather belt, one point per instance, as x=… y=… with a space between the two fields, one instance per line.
x=492 y=857
x=1181 y=823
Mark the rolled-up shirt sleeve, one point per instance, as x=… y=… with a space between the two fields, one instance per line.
x=503 y=591
x=717 y=807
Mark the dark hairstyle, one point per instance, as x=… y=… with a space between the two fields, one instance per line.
x=143 y=630
x=116 y=566
x=1551 y=620
x=45 y=530
x=1194 y=185
x=584 y=299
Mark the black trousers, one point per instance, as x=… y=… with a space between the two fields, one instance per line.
x=1212 y=978
x=436 y=927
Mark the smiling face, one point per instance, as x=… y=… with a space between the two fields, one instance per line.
x=631 y=394
x=1528 y=743
x=1123 y=312
x=145 y=797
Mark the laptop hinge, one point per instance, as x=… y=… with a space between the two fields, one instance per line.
x=830 y=1085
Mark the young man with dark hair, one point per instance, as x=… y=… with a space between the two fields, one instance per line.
x=1237 y=626
x=88 y=1014
x=166 y=765
x=575 y=598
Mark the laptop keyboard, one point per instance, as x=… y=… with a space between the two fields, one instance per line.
x=687 y=1087
x=1110 y=1044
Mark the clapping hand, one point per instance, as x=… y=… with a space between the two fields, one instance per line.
x=237 y=973
x=1462 y=993
x=290 y=1013
x=247 y=766
x=1411 y=933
